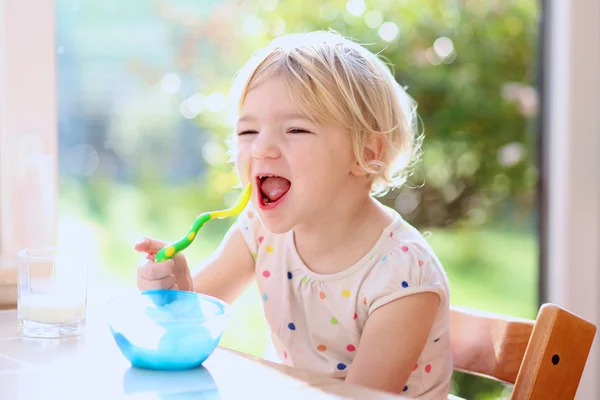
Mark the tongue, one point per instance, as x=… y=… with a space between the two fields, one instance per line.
x=274 y=187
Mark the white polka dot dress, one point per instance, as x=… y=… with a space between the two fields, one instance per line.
x=316 y=320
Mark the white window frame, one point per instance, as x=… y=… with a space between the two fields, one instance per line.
x=571 y=184
x=28 y=132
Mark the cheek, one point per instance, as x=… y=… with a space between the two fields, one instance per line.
x=242 y=161
x=317 y=170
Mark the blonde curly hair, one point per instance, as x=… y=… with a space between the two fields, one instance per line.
x=332 y=79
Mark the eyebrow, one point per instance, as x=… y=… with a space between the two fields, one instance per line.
x=287 y=116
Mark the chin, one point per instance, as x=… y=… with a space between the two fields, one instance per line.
x=274 y=224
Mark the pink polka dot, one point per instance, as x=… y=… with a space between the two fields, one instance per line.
x=260 y=239
x=416 y=366
x=266 y=274
x=391 y=234
x=428 y=368
x=404 y=248
x=350 y=347
x=420 y=263
x=355 y=316
x=285 y=354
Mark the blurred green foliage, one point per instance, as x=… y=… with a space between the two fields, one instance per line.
x=470 y=65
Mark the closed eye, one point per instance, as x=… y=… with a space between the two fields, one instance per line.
x=298 y=131
x=248 y=132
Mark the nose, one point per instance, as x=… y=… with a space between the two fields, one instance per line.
x=265 y=146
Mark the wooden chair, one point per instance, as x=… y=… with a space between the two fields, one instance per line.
x=544 y=359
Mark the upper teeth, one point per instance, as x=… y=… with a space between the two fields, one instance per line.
x=266 y=176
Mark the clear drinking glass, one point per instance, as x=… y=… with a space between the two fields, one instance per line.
x=52 y=292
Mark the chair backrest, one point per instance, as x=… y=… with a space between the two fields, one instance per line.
x=544 y=359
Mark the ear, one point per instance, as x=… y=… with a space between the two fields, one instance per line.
x=373 y=151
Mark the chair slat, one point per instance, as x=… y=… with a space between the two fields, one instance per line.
x=555 y=358
x=488 y=344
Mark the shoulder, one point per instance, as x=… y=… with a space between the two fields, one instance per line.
x=406 y=265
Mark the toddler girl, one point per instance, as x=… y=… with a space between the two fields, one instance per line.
x=349 y=288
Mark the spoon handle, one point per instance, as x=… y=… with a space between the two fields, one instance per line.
x=171 y=249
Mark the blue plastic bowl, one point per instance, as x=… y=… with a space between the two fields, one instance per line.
x=167 y=329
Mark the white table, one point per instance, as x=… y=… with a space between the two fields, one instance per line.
x=91 y=367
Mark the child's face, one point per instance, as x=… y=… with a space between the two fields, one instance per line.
x=312 y=165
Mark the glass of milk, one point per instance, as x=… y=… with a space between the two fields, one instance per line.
x=52 y=292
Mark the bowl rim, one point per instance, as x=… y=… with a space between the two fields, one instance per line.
x=225 y=306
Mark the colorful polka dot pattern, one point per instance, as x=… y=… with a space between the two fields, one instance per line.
x=345 y=293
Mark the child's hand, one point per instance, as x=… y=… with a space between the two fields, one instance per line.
x=173 y=274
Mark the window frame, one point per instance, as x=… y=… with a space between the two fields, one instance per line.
x=570 y=175
x=28 y=134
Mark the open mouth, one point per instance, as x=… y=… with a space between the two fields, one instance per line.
x=271 y=189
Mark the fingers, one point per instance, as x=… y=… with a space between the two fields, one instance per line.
x=165 y=283
x=152 y=271
x=149 y=245
x=152 y=275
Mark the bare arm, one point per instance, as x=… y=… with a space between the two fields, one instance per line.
x=228 y=271
x=390 y=346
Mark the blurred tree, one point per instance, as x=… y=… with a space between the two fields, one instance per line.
x=470 y=65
